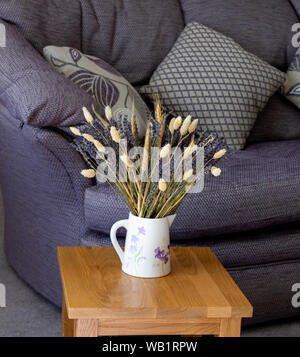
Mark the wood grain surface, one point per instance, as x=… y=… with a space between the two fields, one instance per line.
x=198 y=287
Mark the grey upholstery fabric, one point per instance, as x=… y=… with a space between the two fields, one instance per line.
x=210 y=77
x=43 y=195
x=131 y=35
x=260 y=27
x=268 y=288
x=258 y=187
x=280 y=120
x=32 y=90
x=45 y=22
x=255 y=247
x=296 y=6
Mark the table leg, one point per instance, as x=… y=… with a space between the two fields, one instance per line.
x=67 y=324
x=230 y=327
x=86 y=328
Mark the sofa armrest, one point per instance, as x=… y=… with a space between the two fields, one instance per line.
x=32 y=90
x=58 y=144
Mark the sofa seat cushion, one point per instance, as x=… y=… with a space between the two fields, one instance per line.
x=259 y=187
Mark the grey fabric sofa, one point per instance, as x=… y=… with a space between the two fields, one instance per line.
x=250 y=216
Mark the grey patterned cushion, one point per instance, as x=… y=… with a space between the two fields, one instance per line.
x=100 y=80
x=209 y=76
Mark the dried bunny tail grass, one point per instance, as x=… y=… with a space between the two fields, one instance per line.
x=177 y=123
x=108 y=113
x=144 y=197
x=185 y=125
x=187 y=174
x=88 y=173
x=219 y=154
x=165 y=151
x=99 y=146
x=75 y=131
x=162 y=185
x=171 y=125
x=88 y=116
x=189 y=150
x=126 y=160
x=89 y=137
x=215 y=171
x=99 y=117
x=115 y=134
x=193 y=126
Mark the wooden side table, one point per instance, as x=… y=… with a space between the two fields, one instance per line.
x=198 y=298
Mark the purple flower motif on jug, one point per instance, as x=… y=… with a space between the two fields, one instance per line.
x=134 y=238
x=162 y=255
x=133 y=249
x=142 y=230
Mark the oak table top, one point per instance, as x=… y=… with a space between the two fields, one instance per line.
x=100 y=299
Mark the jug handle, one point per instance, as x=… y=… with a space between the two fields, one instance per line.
x=113 y=237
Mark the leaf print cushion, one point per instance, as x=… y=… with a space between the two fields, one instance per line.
x=291 y=87
x=100 y=80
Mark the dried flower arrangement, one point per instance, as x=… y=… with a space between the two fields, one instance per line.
x=147 y=197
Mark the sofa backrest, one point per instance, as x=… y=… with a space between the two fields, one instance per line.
x=135 y=35
x=132 y=35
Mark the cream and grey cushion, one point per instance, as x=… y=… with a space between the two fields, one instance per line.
x=291 y=87
x=106 y=85
x=211 y=77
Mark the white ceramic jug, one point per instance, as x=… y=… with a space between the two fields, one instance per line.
x=147 y=246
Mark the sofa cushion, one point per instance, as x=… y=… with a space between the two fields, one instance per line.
x=101 y=81
x=259 y=187
x=265 y=29
x=260 y=27
x=209 y=76
x=132 y=35
x=291 y=87
x=32 y=90
x=280 y=120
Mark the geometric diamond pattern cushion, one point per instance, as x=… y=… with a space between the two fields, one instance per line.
x=211 y=77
